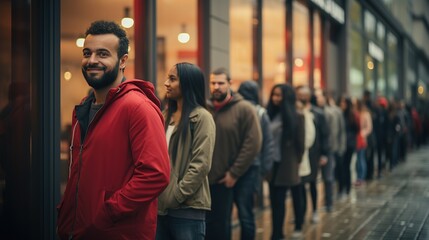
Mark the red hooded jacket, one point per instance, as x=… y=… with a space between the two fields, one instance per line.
x=119 y=165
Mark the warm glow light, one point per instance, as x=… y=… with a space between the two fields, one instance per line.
x=80 y=41
x=127 y=22
x=67 y=75
x=370 y=65
x=299 y=62
x=183 y=37
x=420 y=90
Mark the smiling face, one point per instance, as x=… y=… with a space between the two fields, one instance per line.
x=172 y=85
x=100 y=63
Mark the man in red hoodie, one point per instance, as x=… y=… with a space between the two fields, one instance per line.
x=118 y=155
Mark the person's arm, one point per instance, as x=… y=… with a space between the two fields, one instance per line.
x=300 y=137
x=252 y=140
x=267 y=150
x=151 y=163
x=324 y=138
x=204 y=135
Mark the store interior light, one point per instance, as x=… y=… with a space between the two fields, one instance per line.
x=370 y=65
x=421 y=90
x=299 y=62
x=183 y=36
x=127 y=21
x=67 y=75
x=80 y=41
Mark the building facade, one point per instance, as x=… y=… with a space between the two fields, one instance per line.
x=344 y=46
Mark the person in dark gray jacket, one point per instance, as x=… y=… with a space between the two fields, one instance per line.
x=264 y=160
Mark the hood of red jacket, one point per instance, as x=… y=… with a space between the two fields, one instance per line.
x=138 y=85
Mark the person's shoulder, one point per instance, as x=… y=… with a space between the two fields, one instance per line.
x=200 y=112
x=244 y=104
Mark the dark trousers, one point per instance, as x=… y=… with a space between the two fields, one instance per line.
x=278 y=208
x=345 y=179
x=219 y=218
x=369 y=155
x=244 y=191
x=381 y=150
x=394 y=152
x=328 y=179
x=313 y=192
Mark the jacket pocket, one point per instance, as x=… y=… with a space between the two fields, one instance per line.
x=167 y=199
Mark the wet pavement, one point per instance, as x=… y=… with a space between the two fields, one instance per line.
x=393 y=207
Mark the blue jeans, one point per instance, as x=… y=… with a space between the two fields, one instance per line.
x=328 y=176
x=180 y=228
x=244 y=191
x=361 y=164
x=219 y=218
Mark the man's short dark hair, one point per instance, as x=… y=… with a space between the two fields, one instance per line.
x=106 y=27
x=220 y=71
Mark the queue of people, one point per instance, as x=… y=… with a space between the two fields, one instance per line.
x=141 y=171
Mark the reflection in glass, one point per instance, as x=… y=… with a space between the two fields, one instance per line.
x=369 y=73
x=301 y=45
x=356 y=67
x=317 y=41
x=169 y=48
x=381 y=31
x=273 y=49
x=15 y=120
x=370 y=23
x=381 y=80
x=392 y=68
x=241 y=41
x=355 y=14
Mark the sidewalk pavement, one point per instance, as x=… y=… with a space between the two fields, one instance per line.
x=393 y=207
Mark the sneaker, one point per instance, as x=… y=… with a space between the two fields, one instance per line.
x=315 y=218
x=297 y=234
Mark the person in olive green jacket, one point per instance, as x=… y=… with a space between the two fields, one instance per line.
x=190 y=132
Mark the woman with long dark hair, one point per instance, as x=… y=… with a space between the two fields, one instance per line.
x=190 y=132
x=287 y=126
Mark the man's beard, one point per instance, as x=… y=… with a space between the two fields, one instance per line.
x=219 y=96
x=106 y=79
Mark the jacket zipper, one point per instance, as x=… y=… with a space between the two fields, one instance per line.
x=80 y=167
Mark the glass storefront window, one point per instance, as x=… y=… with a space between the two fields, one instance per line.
x=241 y=40
x=411 y=75
x=301 y=45
x=16 y=129
x=355 y=14
x=381 y=80
x=381 y=32
x=173 y=45
x=317 y=41
x=392 y=69
x=370 y=24
x=370 y=65
x=273 y=49
x=356 y=75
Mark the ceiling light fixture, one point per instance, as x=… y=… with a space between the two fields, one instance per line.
x=127 y=21
x=80 y=41
x=183 y=37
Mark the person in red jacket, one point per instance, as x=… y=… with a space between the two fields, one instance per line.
x=119 y=161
